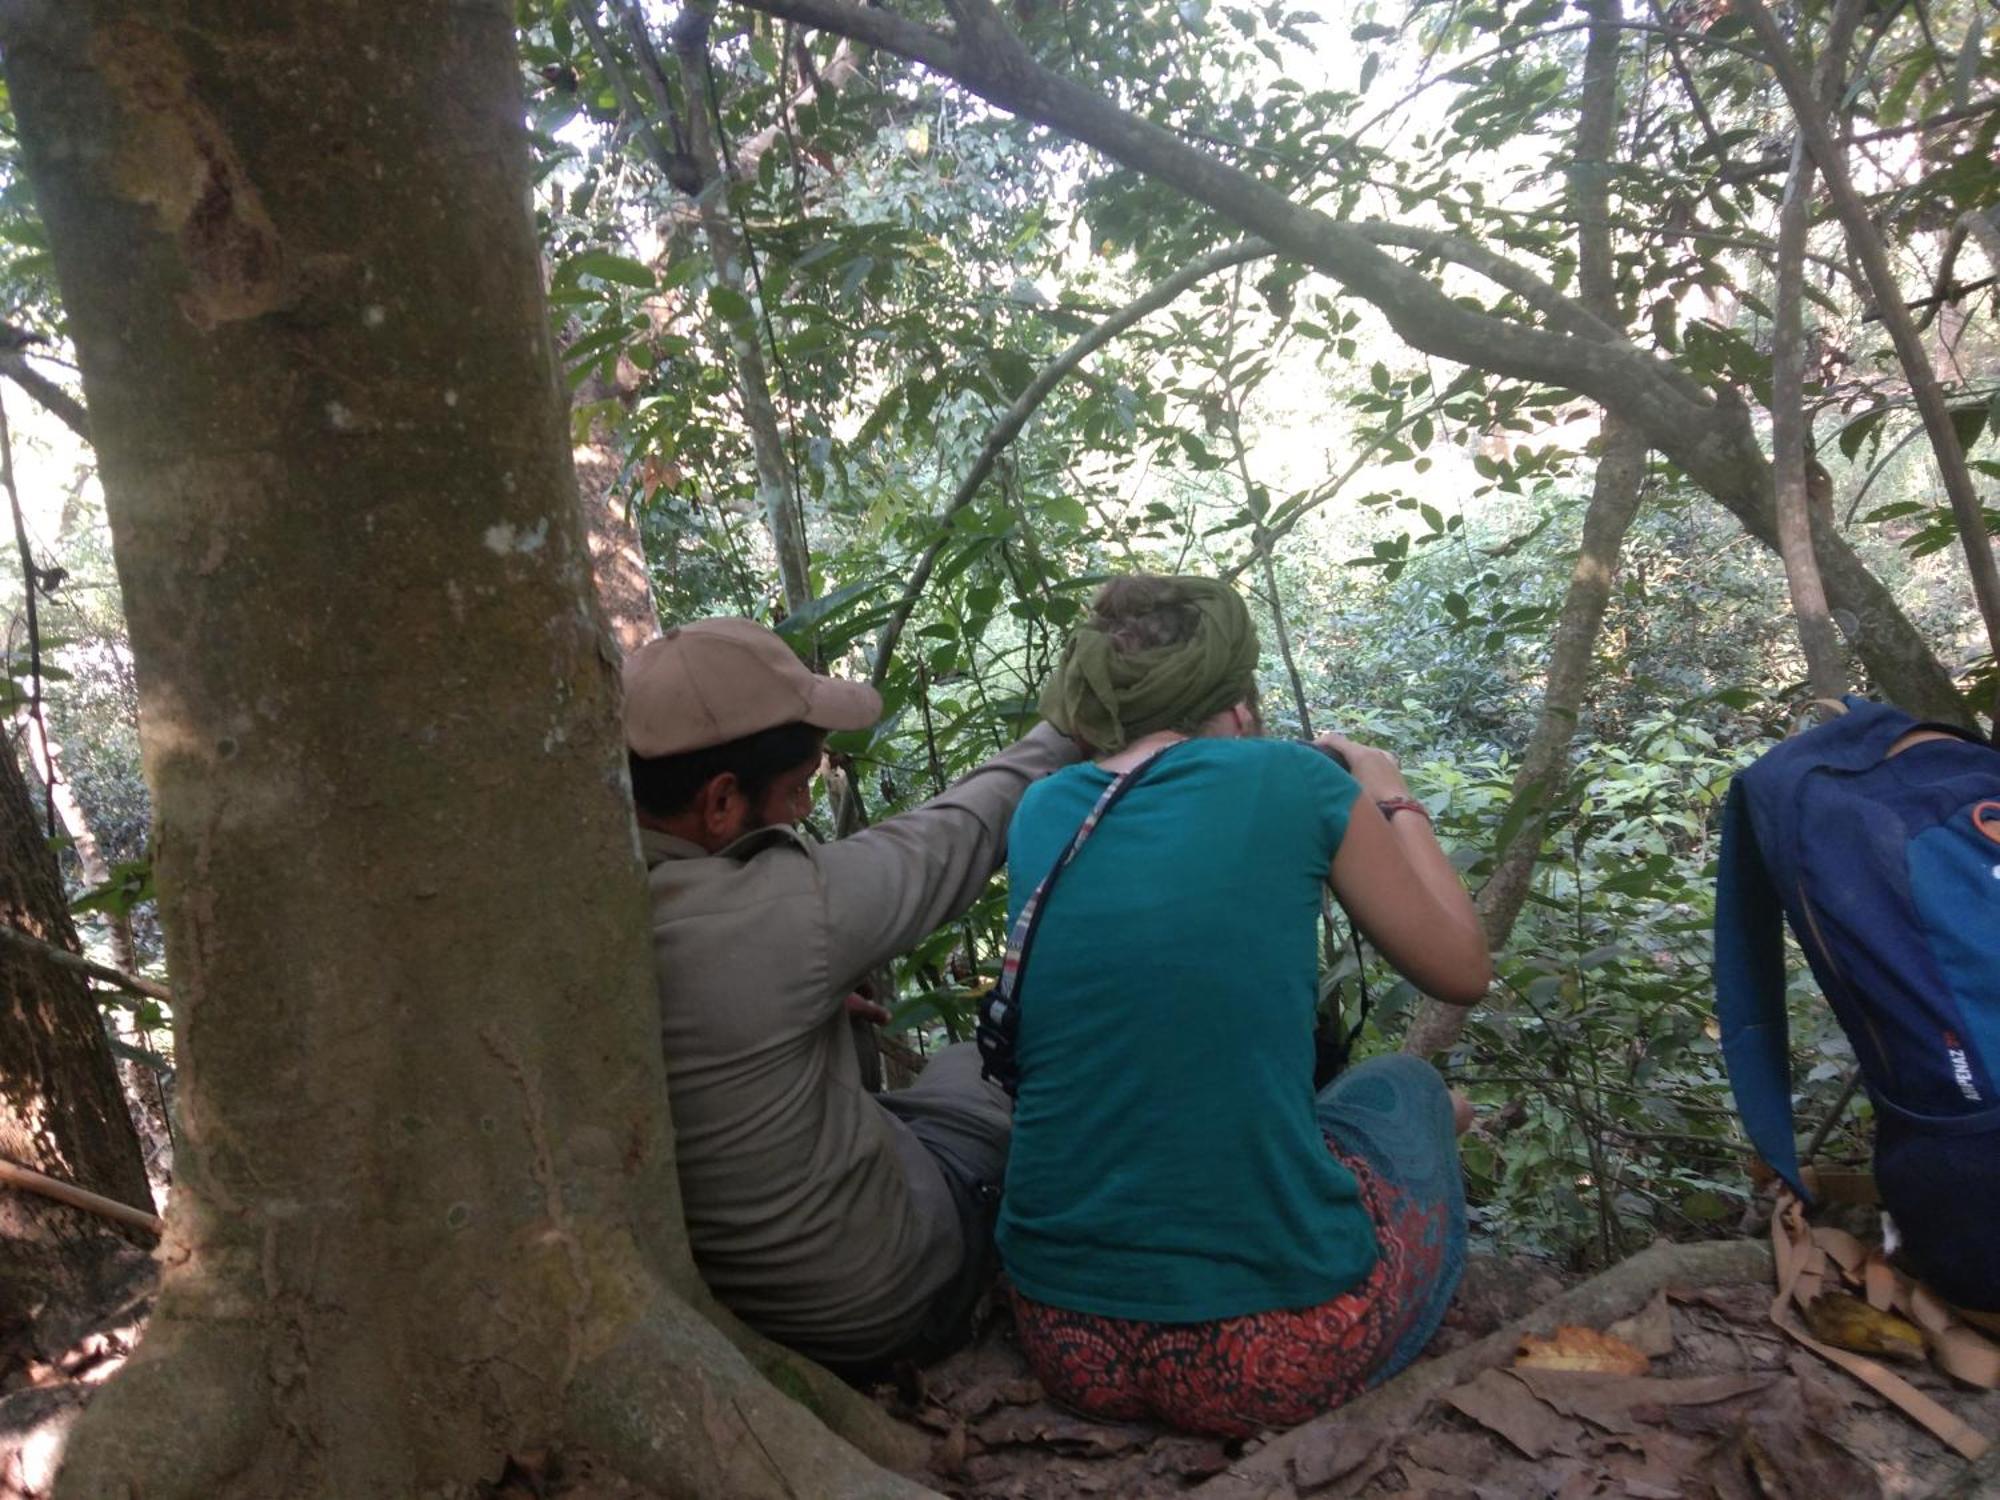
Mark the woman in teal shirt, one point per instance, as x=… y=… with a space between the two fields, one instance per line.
x=1192 y=1235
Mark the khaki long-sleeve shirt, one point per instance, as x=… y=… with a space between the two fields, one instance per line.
x=813 y=1213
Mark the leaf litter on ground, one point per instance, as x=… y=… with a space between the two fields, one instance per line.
x=1722 y=1410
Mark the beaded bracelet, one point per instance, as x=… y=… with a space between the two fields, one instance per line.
x=1392 y=805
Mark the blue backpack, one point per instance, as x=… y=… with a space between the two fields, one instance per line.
x=1888 y=871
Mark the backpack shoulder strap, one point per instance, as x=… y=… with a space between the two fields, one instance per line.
x=1000 y=1010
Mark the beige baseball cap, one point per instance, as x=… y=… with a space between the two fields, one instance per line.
x=714 y=681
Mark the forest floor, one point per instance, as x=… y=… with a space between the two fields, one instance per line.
x=1727 y=1408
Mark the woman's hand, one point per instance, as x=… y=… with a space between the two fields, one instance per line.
x=1380 y=777
x=1399 y=887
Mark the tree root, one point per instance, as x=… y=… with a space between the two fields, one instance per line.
x=675 y=1407
x=843 y=1409
x=1391 y=1409
x=185 y=1416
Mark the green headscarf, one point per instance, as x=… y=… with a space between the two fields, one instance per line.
x=1108 y=698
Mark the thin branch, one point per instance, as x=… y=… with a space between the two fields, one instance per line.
x=1790 y=427
x=1529 y=39
x=689 y=162
x=1233 y=414
x=1679 y=58
x=31 y=584
x=52 y=397
x=76 y=963
x=1004 y=431
x=1282 y=526
x=1616 y=490
x=1929 y=123
x=1564 y=312
x=12 y=1174
x=841 y=69
x=1817 y=636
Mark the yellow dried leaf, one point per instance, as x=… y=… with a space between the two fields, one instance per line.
x=1573 y=1348
x=1849 y=1323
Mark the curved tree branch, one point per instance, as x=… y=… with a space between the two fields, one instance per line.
x=1016 y=417
x=52 y=397
x=1562 y=311
x=1708 y=434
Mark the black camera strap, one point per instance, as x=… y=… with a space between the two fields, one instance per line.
x=1000 y=1010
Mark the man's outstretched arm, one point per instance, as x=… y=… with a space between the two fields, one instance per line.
x=890 y=886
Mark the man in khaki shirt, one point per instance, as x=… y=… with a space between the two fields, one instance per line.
x=853 y=1227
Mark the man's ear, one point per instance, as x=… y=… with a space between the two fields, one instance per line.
x=720 y=806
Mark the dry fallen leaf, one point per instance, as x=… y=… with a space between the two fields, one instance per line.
x=1849 y=1323
x=1502 y=1404
x=1573 y=1348
x=1624 y=1403
x=1650 y=1330
x=1332 y=1450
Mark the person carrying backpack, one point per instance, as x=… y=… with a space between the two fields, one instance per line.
x=1877 y=839
x=1191 y=1234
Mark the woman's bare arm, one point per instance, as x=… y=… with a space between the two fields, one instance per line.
x=1396 y=883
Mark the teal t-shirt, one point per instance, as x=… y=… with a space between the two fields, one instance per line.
x=1166 y=1163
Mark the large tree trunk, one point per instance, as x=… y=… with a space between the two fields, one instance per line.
x=427 y=1217
x=61 y=1111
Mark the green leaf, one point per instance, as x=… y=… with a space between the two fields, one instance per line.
x=817 y=612
x=1969 y=422
x=729 y=303
x=1864 y=427
x=605 y=266
x=1523 y=806
x=1066 y=510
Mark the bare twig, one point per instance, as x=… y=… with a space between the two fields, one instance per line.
x=1832 y=1116
x=1825 y=673
x=62 y=958
x=29 y=1180
x=686 y=156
